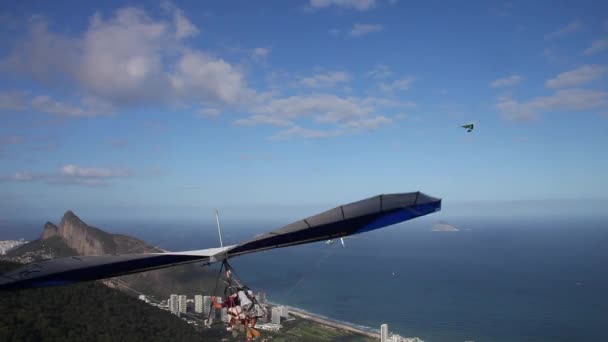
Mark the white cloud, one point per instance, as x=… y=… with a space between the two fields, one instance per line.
x=325 y=80
x=506 y=81
x=13 y=100
x=199 y=76
x=576 y=77
x=400 y=84
x=23 y=176
x=571 y=100
x=260 y=53
x=361 y=5
x=359 y=30
x=129 y=58
x=89 y=107
x=573 y=26
x=259 y=119
x=342 y=114
x=368 y=123
x=72 y=175
x=380 y=71
x=71 y=170
x=183 y=27
x=596 y=46
x=323 y=107
x=300 y=132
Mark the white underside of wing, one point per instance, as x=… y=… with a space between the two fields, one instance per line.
x=209 y=252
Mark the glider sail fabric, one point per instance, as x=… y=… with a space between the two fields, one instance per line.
x=75 y=269
x=354 y=218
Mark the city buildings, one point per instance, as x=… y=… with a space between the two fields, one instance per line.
x=284 y=311
x=206 y=304
x=198 y=303
x=7 y=245
x=384 y=333
x=276 y=315
x=173 y=304
x=182 y=304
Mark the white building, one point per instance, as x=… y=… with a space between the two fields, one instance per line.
x=384 y=333
x=198 y=303
x=284 y=311
x=276 y=315
x=182 y=304
x=173 y=304
x=206 y=304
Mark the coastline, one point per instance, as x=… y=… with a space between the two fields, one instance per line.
x=366 y=331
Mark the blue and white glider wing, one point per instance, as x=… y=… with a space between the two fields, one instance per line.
x=349 y=219
x=354 y=218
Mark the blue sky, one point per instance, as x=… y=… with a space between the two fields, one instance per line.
x=167 y=109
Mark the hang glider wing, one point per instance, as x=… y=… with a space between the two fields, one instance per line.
x=354 y=218
x=75 y=269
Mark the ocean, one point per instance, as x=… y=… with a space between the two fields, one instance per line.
x=497 y=279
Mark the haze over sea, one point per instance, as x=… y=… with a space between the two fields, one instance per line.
x=497 y=279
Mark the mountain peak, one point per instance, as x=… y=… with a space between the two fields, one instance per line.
x=49 y=230
x=69 y=215
x=86 y=240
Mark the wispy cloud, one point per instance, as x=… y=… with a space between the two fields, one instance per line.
x=400 y=84
x=88 y=107
x=325 y=80
x=260 y=53
x=259 y=119
x=359 y=30
x=571 y=100
x=581 y=75
x=596 y=46
x=506 y=81
x=360 y=5
x=300 y=132
x=380 y=71
x=72 y=175
x=369 y=123
x=72 y=170
x=573 y=26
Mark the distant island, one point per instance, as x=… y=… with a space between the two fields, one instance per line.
x=444 y=227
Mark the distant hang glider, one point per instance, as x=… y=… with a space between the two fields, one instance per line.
x=354 y=218
x=468 y=127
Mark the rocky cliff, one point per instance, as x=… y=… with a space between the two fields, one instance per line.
x=49 y=231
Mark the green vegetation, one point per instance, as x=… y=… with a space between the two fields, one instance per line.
x=85 y=312
x=301 y=330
